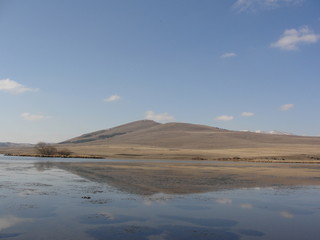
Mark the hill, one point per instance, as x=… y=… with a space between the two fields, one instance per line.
x=185 y=136
x=147 y=139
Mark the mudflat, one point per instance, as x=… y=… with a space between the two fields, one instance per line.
x=177 y=177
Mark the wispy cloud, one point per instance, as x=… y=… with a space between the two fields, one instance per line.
x=112 y=98
x=228 y=55
x=292 y=38
x=33 y=117
x=286 y=107
x=224 y=118
x=161 y=117
x=256 y=5
x=14 y=87
x=247 y=114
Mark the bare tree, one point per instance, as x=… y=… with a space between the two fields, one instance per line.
x=45 y=149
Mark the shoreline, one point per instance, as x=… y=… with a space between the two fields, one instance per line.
x=283 y=159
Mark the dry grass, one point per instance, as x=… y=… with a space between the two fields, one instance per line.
x=286 y=152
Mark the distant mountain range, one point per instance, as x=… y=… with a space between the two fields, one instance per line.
x=187 y=136
x=9 y=144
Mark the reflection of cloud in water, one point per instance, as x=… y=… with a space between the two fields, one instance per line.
x=9 y=235
x=26 y=192
x=286 y=214
x=31 y=191
x=191 y=207
x=156 y=198
x=10 y=221
x=224 y=201
x=108 y=218
x=107 y=215
x=204 y=222
x=147 y=202
x=246 y=206
x=250 y=232
x=162 y=236
x=138 y=232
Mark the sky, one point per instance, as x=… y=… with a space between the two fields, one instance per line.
x=77 y=66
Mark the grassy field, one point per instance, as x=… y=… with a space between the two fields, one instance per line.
x=282 y=153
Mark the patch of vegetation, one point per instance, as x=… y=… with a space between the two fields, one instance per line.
x=110 y=135
x=45 y=149
x=81 y=141
x=97 y=138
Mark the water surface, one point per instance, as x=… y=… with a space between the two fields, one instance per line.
x=50 y=203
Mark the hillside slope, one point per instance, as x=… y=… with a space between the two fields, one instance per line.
x=112 y=132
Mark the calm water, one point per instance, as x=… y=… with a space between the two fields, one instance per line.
x=49 y=203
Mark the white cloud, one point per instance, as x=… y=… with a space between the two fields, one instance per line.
x=33 y=117
x=161 y=117
x=247 y=114
x=11 y=86
x=292 y=38
x=228 y=55
x=112 y=98
x=286 y=107
x=255 y=5
x=224 y=118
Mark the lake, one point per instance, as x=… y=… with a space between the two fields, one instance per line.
x=38 y=201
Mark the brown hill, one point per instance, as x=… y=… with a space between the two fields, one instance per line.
x=185 y=136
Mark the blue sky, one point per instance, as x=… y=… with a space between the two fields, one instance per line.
x=71 y=67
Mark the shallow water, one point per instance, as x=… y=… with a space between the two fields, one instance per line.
x=50 y=203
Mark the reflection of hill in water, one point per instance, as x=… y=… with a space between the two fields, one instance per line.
x=185 y=178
